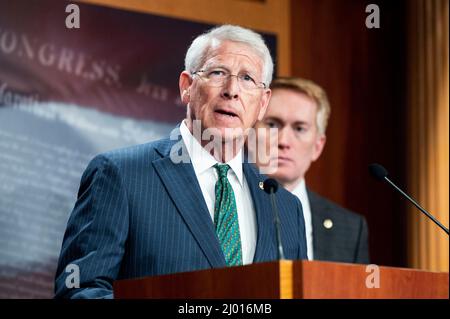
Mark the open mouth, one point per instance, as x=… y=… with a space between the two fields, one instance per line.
x=284 y=159
x=228 y=113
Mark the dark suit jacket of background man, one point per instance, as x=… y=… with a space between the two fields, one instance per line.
x=346 y=241
x=139 y=214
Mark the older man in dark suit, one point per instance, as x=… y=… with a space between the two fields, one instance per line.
x=189 y=202
x=299 y=109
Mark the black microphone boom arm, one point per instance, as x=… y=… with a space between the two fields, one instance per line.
x=380 y=173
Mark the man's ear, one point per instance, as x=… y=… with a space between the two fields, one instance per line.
x=318 y=146
x=264 y=104
x=184 y=84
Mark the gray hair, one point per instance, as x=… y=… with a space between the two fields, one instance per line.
x=196 y=54
x=312 y=90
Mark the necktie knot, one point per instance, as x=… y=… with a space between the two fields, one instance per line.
x=222 y=170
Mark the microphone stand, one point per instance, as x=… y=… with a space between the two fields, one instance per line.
x=277 y=224
x=417 y=205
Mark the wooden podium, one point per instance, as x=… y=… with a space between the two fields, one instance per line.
x=290 y=280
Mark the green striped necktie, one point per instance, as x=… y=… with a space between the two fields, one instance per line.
x=226 y=218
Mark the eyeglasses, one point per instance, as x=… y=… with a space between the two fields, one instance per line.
x=218 y=78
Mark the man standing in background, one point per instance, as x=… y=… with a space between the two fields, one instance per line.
x=299 y=109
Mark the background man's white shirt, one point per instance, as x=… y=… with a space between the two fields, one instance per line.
x=301 y=193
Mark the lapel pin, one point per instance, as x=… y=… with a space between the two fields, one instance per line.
x=327 y=223
x=261 y=185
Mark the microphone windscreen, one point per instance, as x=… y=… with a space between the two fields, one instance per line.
x=377 y=171
x=270 y=184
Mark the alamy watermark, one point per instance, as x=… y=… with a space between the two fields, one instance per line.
x=373 y=278
x=261 y=144
x=73 y=19
x=373 y=19
x=73 y=277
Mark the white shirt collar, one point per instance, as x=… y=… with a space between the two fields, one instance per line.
x=203 y=160
x=300 y=191
x=302 y=194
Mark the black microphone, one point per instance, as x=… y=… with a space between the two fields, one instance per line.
x=380 y=173
x=271 y=187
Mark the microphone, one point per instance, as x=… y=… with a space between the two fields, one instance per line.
x=380 y=173
x=271 y=187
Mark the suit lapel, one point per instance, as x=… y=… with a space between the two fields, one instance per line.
x=182 y=186
x=318 y=215
x=263 y=214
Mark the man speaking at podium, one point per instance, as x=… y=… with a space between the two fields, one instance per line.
x=190 y=202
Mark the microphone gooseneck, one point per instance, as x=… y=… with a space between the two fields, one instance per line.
x=271 y=187
x=380 y=173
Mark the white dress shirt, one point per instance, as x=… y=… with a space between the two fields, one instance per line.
x=300 y=192
x=207 y=177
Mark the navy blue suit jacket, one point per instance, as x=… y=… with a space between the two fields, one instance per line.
x=346 y=241
x=140 y=214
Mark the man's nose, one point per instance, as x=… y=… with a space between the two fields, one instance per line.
x=231 y=88
x=284 y=138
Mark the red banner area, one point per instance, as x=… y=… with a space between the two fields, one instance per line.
x=118 y=62
x=67 y=94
